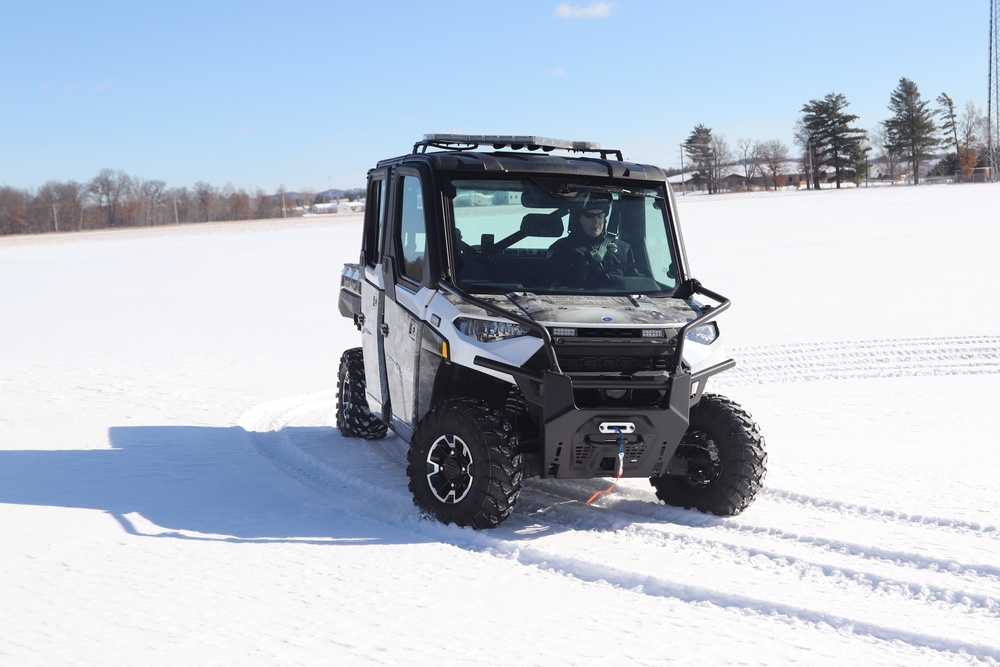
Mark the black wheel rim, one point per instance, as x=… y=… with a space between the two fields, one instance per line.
x=345 y=395
x=449 y=469
x=703 y=457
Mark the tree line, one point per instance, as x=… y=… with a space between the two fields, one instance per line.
x=833 y=148
x=117 y=199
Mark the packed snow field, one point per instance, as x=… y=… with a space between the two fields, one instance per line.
x=172 y=490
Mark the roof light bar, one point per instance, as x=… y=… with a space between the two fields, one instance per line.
x=513 y=141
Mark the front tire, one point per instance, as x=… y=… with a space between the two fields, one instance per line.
x=354 y=419
x=463 y=465
x=726 y=460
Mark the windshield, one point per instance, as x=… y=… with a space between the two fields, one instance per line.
x=560 y=236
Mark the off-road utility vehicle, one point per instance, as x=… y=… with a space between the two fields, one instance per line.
x=506 y=332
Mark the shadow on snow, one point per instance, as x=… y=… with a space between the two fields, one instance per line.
x=185 y=482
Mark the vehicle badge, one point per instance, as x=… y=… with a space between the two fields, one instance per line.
x=605 y=319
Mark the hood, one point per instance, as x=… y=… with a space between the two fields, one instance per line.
x=609 y=311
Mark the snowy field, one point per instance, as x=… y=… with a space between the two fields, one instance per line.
x=172 y=491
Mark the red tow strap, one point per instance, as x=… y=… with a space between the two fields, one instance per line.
x=619 y=471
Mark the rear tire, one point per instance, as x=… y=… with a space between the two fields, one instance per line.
x=726 y=460
x=463 y=464
x=354 y=419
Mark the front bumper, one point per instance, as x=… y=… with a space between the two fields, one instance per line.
x=579 y=442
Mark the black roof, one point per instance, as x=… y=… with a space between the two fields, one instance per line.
x=529 y=163
x=528 y=154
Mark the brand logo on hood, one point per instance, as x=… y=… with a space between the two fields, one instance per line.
x=606 y=319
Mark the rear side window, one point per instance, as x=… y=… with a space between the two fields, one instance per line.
x=375 y=221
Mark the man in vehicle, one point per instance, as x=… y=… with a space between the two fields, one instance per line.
x=589 y=255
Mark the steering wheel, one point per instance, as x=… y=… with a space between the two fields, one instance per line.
x=643 y=270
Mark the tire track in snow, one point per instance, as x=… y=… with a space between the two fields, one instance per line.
x=378 y=472
x=604 y=573
x=976 y=571
x=892 y=516
x=268 y=429
x=632 y=505
x=881 y=358
x=826 y=557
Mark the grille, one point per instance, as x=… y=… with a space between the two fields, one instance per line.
x=609 y=333
x=608 y=360
x=618 y=362
x=612 y=363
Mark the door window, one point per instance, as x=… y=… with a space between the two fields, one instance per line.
x=412 y=231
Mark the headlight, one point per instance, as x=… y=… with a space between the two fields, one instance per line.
x=488 y=331
x=705 y=334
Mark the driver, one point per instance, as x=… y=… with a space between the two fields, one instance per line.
x=588 y=254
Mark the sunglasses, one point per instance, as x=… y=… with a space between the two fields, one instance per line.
x=592 y=214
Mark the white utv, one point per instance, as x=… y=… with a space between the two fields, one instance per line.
x=499 y=350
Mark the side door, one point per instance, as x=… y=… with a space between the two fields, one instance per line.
x=407 y=294
x=374 y=267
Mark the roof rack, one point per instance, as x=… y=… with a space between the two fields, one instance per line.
x=470 y=142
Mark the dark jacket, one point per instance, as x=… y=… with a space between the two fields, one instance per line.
x=578 y=260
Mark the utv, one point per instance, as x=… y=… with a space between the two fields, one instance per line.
x=507 y=333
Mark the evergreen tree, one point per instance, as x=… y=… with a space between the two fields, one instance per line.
x=949 y=128
x=831 y=139
x=699 y=150
x=911 y=129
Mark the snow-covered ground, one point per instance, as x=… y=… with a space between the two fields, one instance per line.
x=172 y=490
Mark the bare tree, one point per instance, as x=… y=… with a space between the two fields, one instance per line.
x=149 y=206
x=72 y=198
x=773 y=158
x=748 y=155
x=206 y=198
x=885 y=152
x=115 y=199
x=721 y=159
x=62 y=204
x=14 y=207
x=283 y=200
x=181 y=206
x=969 y=142
x=971 y=126
x=803 y=138
x=110 y=189
x=268 y=206
x=237 y=203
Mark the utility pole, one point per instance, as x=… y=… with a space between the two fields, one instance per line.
x=993 y=96
x=55 y=217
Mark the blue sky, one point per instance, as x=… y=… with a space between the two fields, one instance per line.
x=310 y=94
